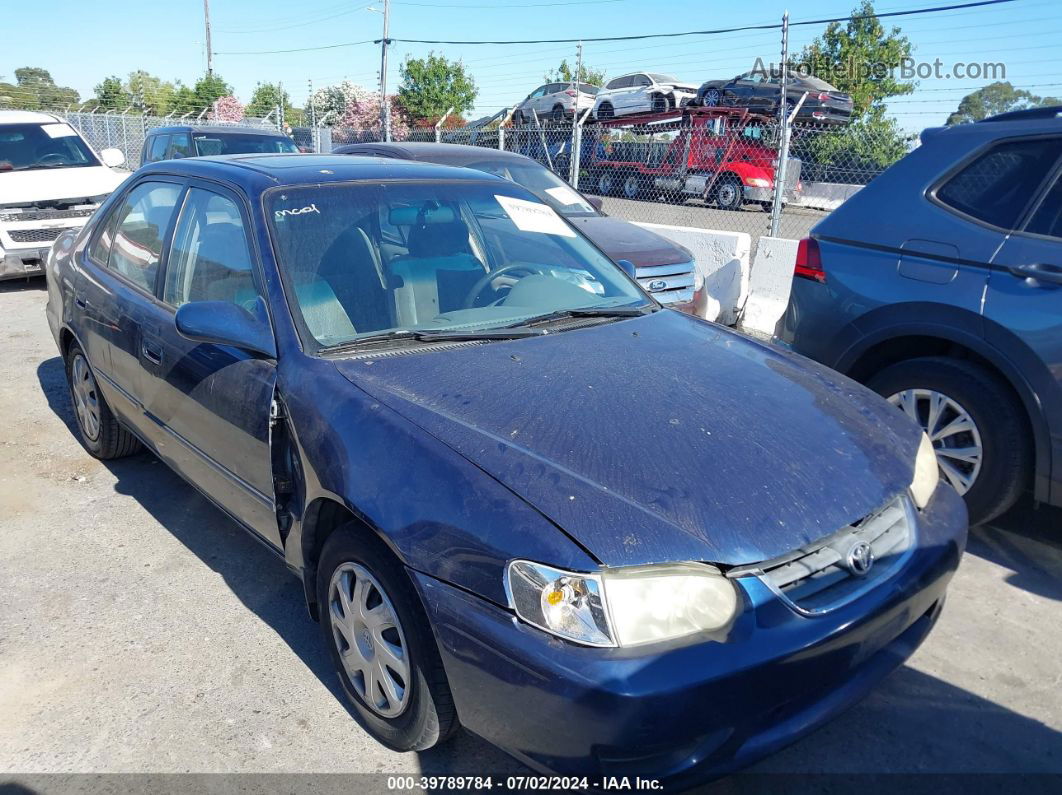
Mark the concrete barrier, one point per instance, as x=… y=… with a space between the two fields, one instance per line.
x=722 y=261
x=769 y=284
x=825 y=195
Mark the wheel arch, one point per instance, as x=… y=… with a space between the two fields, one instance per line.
x=891 y=345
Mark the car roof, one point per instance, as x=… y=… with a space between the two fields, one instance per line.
x=27 y=117
x=258 y=172
x=215 y=128
x=454 y=154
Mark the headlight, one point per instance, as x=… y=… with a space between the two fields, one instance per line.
x=622 y=607
x=926 y=473
x=757 y=182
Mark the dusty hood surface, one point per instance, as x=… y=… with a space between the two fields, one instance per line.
x=57 y=183
x=623 y=240
x=659 y=438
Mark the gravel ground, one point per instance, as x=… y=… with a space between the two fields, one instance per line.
x=142 y=632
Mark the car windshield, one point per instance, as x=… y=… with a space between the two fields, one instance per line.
x=398 y=260
x=542 y=182
x=586 y=88
x=25 y=147
x=242 y=144
x=664 y=78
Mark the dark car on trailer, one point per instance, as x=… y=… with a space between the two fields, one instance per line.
x=665 y=269
x=520 y=497
x=762 y=91
x=939 y=285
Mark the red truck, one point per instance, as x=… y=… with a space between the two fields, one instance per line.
x=725 y=156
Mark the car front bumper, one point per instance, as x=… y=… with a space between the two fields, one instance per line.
x=22 y=262
x=686 y=714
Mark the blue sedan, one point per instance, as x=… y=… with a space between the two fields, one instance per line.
x=522 y=497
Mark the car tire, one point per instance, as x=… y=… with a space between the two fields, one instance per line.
x=605 y=111
x=518 y=119
x=710 y=98
x=427 y=716
x=557 y=114
x=727 y=193
x=659 y=103
x=606 y=182
x=99 y=430
x=999 y=428
x=634 y=187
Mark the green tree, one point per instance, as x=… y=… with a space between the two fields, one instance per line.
x=111 y=95
x=431 y=86
x=566 y=74
x=267 y=97
x=860 y=58
x=996 y=98
x=34 y=89
x=209 y=88
x=150 y=94
x=184 y=100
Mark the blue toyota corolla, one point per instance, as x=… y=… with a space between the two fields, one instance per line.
x=523 y=498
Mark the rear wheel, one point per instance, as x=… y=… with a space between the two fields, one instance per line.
x=634 y=187
x=710 y=98
x=381 y=645
x=605 y=111
x=557 y=114
x=659 y=103
x=974 y=422
x=99 y=430
x=606 y=182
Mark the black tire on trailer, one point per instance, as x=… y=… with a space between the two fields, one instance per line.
x=659 y=103
x=982 y=439
x=606 y=182
x=634 y=186
x=557 y=115
x=605 y=111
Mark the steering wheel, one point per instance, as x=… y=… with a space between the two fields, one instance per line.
x=52 y=157
x=485 y=280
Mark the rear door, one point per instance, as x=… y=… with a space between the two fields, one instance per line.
x=116 y=287
x=1024 y=306
x=212 y=402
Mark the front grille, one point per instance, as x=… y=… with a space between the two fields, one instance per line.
x=45 y=215
x=821 y=576
x=36 y=235
x=668 y=283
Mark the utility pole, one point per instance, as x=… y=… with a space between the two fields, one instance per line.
x=385 y=103
x=577 y=132
x=209 y=48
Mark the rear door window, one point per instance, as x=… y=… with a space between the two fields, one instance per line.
x=1047 y=220
x=158 y=148
x=181 y=146
x=997 y=186
x=143 y=219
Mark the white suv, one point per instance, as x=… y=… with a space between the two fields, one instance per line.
x=50 y=181
x=556 y=102
x=642 y=92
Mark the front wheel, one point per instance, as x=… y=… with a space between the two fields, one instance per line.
x=975 y=423
x=633 y=187
x=381 y=645
x=728 y=194
x=605 y=111
x=606 y=182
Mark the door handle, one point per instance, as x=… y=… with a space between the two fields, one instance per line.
x=1041 y=272
x=151 y=353
x=81 y=303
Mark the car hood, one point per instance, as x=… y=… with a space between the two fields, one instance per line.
x=57 y=183
x=624 y=240
x=658 y=438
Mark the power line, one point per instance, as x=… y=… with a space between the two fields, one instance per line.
x=301 y=49
x=772 y=26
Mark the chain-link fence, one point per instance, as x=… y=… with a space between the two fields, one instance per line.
x=712 y=168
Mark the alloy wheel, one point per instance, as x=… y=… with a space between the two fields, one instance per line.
x=955 y=436
x=711 y=98
x=86 y=397
x=370 y=640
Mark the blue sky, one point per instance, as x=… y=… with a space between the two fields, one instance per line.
x=82 y=41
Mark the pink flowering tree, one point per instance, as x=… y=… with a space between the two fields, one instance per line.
x=226 y=109
x=356 y=109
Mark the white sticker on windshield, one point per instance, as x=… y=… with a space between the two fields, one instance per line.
x=566 y=195
x=534 y=216
x=58 y=130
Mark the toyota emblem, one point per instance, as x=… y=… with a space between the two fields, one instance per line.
x=860 y=558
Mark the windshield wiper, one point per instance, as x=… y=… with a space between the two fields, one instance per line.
x=416 y=335
x=587 y=311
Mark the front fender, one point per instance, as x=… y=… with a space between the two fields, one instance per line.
x=439 y=513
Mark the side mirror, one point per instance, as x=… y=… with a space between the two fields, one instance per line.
x=112 y=158
x=597 y=203
x=627 y=267
x=222 y=323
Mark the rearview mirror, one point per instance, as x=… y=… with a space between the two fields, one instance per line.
x=112 y=158
x=222 y=323
x=627 y=267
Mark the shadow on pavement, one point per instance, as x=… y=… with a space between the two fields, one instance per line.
x=912 y=723
x=20 y=285
x=1028 y=541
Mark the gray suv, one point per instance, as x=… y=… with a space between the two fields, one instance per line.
x=939 y=285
